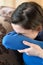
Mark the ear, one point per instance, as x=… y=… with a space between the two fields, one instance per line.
x=39 y=28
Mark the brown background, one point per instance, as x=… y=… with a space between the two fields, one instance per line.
x=15 y=3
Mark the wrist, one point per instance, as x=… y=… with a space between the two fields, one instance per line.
x=41 y=53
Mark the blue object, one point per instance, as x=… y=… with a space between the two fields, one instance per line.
x=14 y=41
x=32 y=60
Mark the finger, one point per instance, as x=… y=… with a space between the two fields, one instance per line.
x=28 y=43
x=24 y=50
x=31 y=44
x=21 y=51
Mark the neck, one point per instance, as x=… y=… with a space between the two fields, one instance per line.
x=33 y=35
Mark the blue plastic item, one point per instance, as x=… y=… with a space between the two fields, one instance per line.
x=15 y=41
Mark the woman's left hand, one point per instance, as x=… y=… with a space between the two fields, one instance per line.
x=34 y=49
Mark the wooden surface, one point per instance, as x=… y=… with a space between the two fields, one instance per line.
x=15 y=3
x=21 y=1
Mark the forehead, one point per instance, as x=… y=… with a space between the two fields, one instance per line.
x=15 y=26
x=19 y=29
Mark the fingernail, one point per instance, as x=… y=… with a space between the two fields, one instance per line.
x=24 y=41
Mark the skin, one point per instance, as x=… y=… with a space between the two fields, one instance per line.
x=34 y=49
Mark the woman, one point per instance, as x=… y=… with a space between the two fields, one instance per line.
x=27 y=19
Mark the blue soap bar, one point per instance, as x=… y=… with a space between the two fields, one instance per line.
x=15 y=41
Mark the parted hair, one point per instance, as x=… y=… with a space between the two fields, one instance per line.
x=28 y=14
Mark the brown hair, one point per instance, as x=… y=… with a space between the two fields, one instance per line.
x=29 y=15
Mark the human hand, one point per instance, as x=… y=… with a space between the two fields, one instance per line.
x=34 y=49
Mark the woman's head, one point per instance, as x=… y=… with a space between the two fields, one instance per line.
x=28 y=15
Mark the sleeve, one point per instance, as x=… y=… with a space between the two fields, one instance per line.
x=40 y=36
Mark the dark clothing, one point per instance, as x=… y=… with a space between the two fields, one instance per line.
x=40 y=36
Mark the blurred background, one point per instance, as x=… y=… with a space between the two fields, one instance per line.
x=15 y=3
